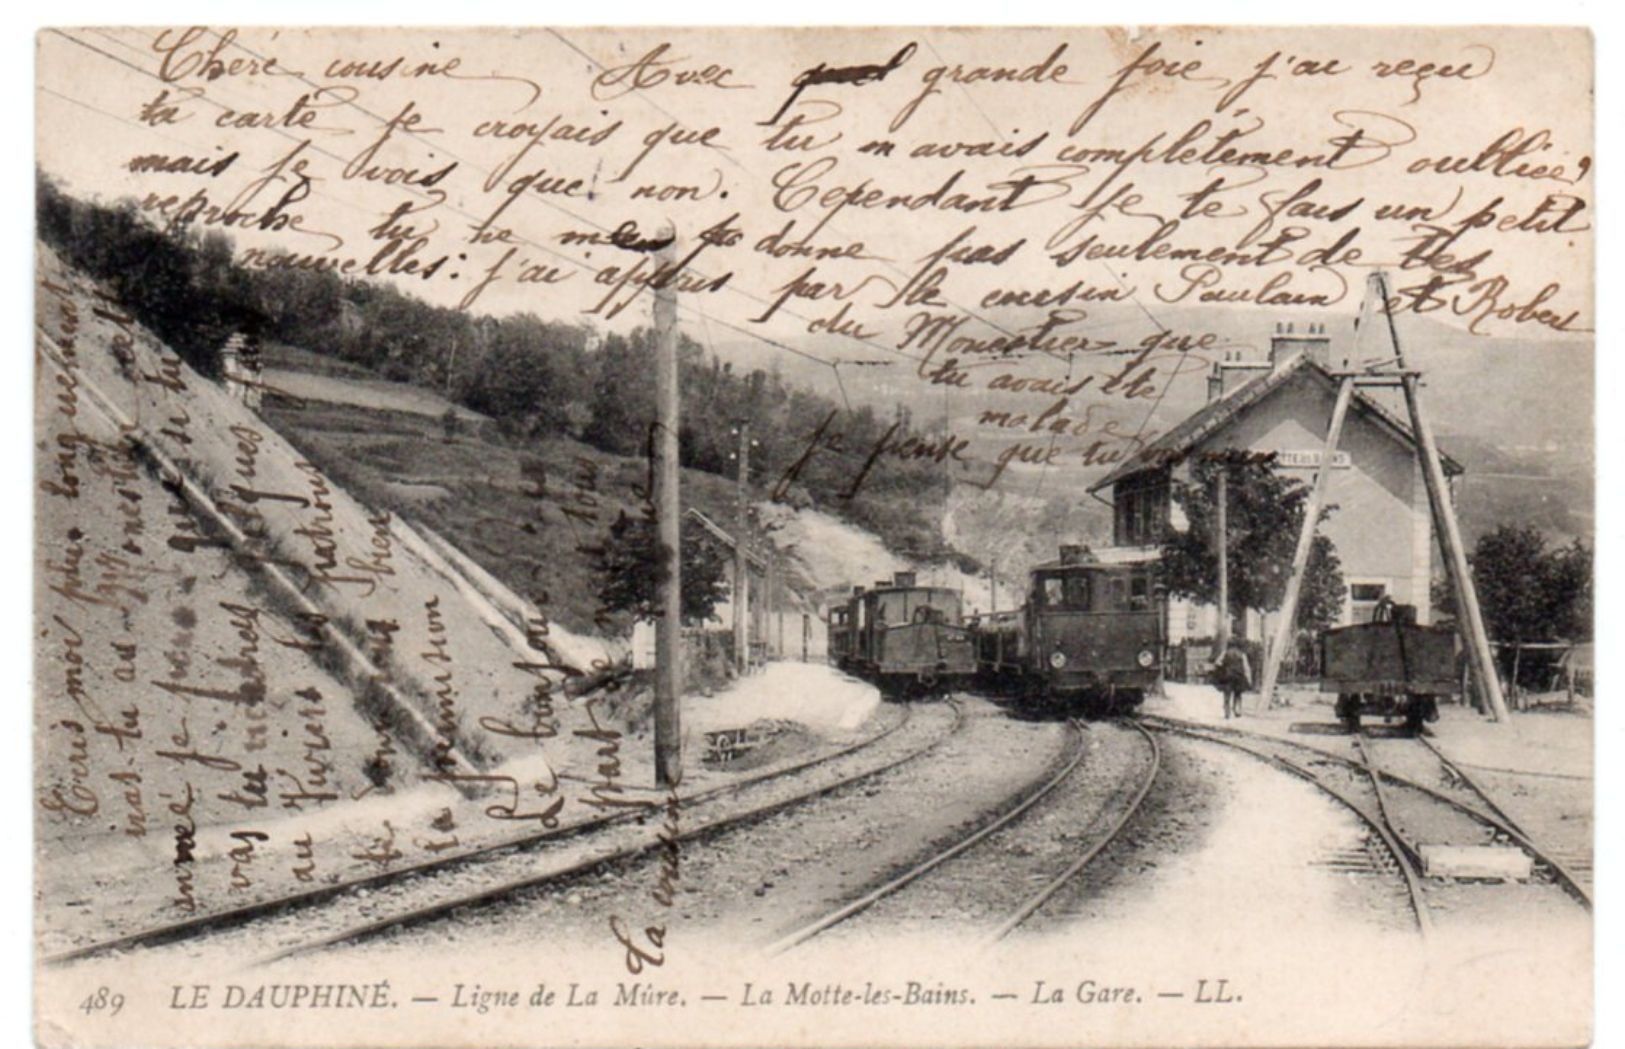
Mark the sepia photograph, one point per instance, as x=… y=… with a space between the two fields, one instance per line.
x=894 y=536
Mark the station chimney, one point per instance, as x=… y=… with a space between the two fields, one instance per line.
x=1287 y=343
x=1232 y=372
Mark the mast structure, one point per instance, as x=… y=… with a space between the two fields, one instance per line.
x=1384 y=371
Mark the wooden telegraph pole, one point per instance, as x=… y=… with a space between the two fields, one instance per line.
x=668 y=626
x=770 y=590
x=776 y=606
x=741 y=594
x=1469 y=620
x=1221 y=541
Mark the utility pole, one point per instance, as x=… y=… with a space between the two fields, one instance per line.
x=769 y=591
x=668 y=626
x=1221 y=636
x=777 y=606
x=741 y=593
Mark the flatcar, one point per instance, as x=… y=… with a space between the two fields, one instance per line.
x=1390 y=666
x=1089 y=636
x=902 y=636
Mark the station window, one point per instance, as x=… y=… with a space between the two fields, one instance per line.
x=1363 y=599
x=1141 y=513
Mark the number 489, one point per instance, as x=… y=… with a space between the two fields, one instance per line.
x=102 y=999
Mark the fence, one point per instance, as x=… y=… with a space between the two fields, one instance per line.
x=1192 y=660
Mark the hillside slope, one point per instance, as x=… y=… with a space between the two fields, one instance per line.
x=248 y=679
x=532 y=512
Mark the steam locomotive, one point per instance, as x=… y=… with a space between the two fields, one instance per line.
x=1089 y=636
x=904 y=637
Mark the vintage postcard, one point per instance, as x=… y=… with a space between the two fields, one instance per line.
x=900 y=537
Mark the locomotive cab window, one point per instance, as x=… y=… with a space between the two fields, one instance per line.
x=934 y=606
x=1115 y=598
x=1139 y=593
x=1070 y=591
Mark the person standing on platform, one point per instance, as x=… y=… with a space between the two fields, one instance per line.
x=1235 y=676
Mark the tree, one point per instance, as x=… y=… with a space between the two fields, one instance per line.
x=1568 y=591
x=633 y=565
x=1265 y=514
x=182 y=285
x=529 y=375
x=622 y=399
x=1527 y=592
x=1508 y=569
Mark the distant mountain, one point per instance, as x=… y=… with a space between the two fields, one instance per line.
x=1518 y=412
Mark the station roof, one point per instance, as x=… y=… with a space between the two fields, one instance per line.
x=1106 y=557
x=1215 y=416
x=722 y=536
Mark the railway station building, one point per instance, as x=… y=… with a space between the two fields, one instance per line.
x=1382 y=528
x=783 y=623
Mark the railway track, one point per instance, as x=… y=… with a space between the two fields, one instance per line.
x=483 y=862
x=1437 y=777
x=1564 y=870
x=1037 y=900
x=1104 y=829
x=1308 y=763
x=1400 y=809
x=508 y=885
x=496 y=888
